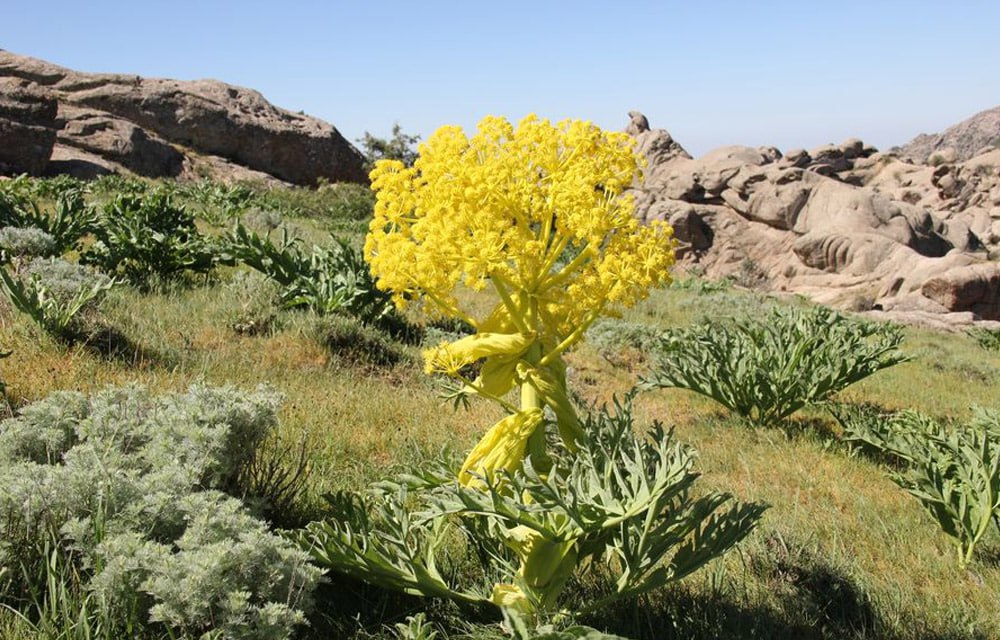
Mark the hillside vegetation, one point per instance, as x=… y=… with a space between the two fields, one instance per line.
x=236 y=374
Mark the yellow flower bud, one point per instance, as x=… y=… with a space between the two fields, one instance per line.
x=449 y=357
x=509 y=596
x=546 y=564
x=497 y=376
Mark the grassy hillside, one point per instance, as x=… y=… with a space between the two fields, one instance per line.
x=841 y=553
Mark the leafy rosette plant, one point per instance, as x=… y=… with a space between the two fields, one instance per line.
x=535 y=214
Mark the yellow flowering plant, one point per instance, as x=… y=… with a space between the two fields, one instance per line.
x=535 y=214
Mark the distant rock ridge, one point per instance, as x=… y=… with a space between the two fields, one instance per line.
x=56 y=120
x=969 y=138
x=843 y=224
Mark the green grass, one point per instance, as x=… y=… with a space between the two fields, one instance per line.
x=842 y=553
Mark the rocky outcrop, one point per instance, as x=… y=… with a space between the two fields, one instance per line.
x=160 y=127
x=966 y=139
x=843 y=224
x=118 y=141
x=27 y=127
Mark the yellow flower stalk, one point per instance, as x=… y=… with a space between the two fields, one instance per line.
x=536 y=215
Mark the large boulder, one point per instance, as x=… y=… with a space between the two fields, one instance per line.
x=27 y=127
x=973 y=288
x=154 y=126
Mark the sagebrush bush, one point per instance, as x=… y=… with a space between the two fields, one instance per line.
x=767 y=368
x=56 y=294
x=134 y=484
x=262 y=221
x=257 y=313
x=25 y=242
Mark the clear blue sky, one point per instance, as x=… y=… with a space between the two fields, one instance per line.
x=792 y=74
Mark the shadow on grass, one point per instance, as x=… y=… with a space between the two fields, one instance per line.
x=809 y=428
x=807 y=599
x=110 y=343
x=810 y=603
x=349 y=608
x=988 y=553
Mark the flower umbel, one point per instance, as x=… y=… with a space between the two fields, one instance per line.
x=536 y=214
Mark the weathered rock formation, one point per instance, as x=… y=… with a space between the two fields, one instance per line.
x=966 y=139
x=843 y=224
x=157 y=127
x=27 y=127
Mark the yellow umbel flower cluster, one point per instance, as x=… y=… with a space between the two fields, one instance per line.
x=537 y=214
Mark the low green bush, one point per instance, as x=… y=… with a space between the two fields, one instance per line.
x=348 y=202
x=136 y=490
x=148 y=238
x=115 y=184
x=355 y=343
x=326 y=280
x=767 y=368
x=218 y=203
x=988 y=339
x=622 y=504
x=952 y=469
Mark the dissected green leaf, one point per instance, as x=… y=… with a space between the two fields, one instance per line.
x=952 y=469
x=766 y=369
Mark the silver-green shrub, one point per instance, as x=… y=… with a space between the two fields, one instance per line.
x=22 y=242
x=135 y=484
x=767 y=368
x=56 y=294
